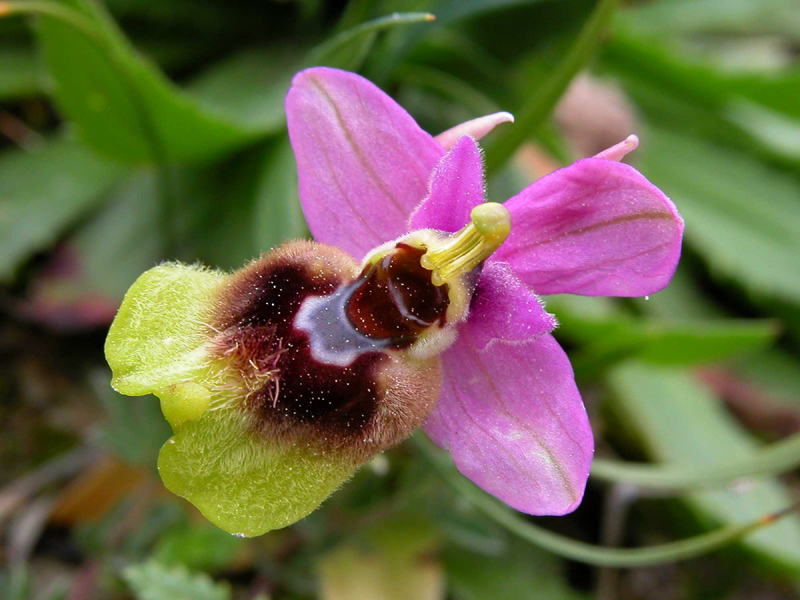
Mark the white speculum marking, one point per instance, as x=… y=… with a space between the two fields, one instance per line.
x=332 y=338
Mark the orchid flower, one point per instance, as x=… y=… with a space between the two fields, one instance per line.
x=281 y=379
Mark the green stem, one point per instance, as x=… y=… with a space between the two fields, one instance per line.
x=580 y=551
x=448 y=85
x=56 y=11
x=533 y=113
x=111 y=50
x=322 y=52
x=775 y=458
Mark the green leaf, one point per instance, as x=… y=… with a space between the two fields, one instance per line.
x=349 y=49
x=741 y=214
x=453 y=10
x=153 y=581
x=687 y=17
x=198 y=546
x=601 y=556
x=667 y=342
x=261 y=210
x=673 y=88
x=21 y=74
x=250 y=86
x=672 y=68
x=278 y=216
x=43 y=192
x=127 y=109
x=775 y=372
x=471 y=531
x=608 y=336
x=122 y=239
x=123 y=106
x=522 y=572
x=772 y=459
x=682 y=300
x=679 y=422
x=537 y=108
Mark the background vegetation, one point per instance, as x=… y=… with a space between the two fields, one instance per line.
x=141 y=130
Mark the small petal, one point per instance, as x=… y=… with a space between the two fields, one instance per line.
x=503 y=309
x=513 y=420
x=595 y=228
x=363 y=163
x=619 y=151
x=476 y=128
x=456 y=188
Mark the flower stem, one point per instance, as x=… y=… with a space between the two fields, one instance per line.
x=775 y=458
x=325 y=53
x=531 y=115
x=581 y=551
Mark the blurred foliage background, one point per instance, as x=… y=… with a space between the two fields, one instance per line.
x=136 y=131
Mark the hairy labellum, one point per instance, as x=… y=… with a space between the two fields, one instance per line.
x=281 y=379
x=360 y=393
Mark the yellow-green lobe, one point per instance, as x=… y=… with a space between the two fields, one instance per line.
x=241 y=484
x=241 y=478
x=159 y=336
x=184 y=402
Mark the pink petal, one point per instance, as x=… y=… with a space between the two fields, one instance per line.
x=595 y=228
x=513 y=420
x=476 y=128
x=503 y=309
x=618 y=151
x=363 y=163
x=456 y=188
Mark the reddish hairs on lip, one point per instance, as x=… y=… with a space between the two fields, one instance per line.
x=367 y=405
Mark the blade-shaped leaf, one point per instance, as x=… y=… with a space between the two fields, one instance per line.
x=741 y=214
x=153 y=581
x=522 y=572
x=679 y=422
x=44 y=191
x=608 y=336
x=123 y=106
x=261 y=210
x=21 y=74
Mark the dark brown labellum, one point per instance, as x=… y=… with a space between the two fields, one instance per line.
x=365 y=403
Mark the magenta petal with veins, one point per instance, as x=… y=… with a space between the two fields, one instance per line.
x=509 y=411
x=363 y=163
x=594 y=228
x=513 y=419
